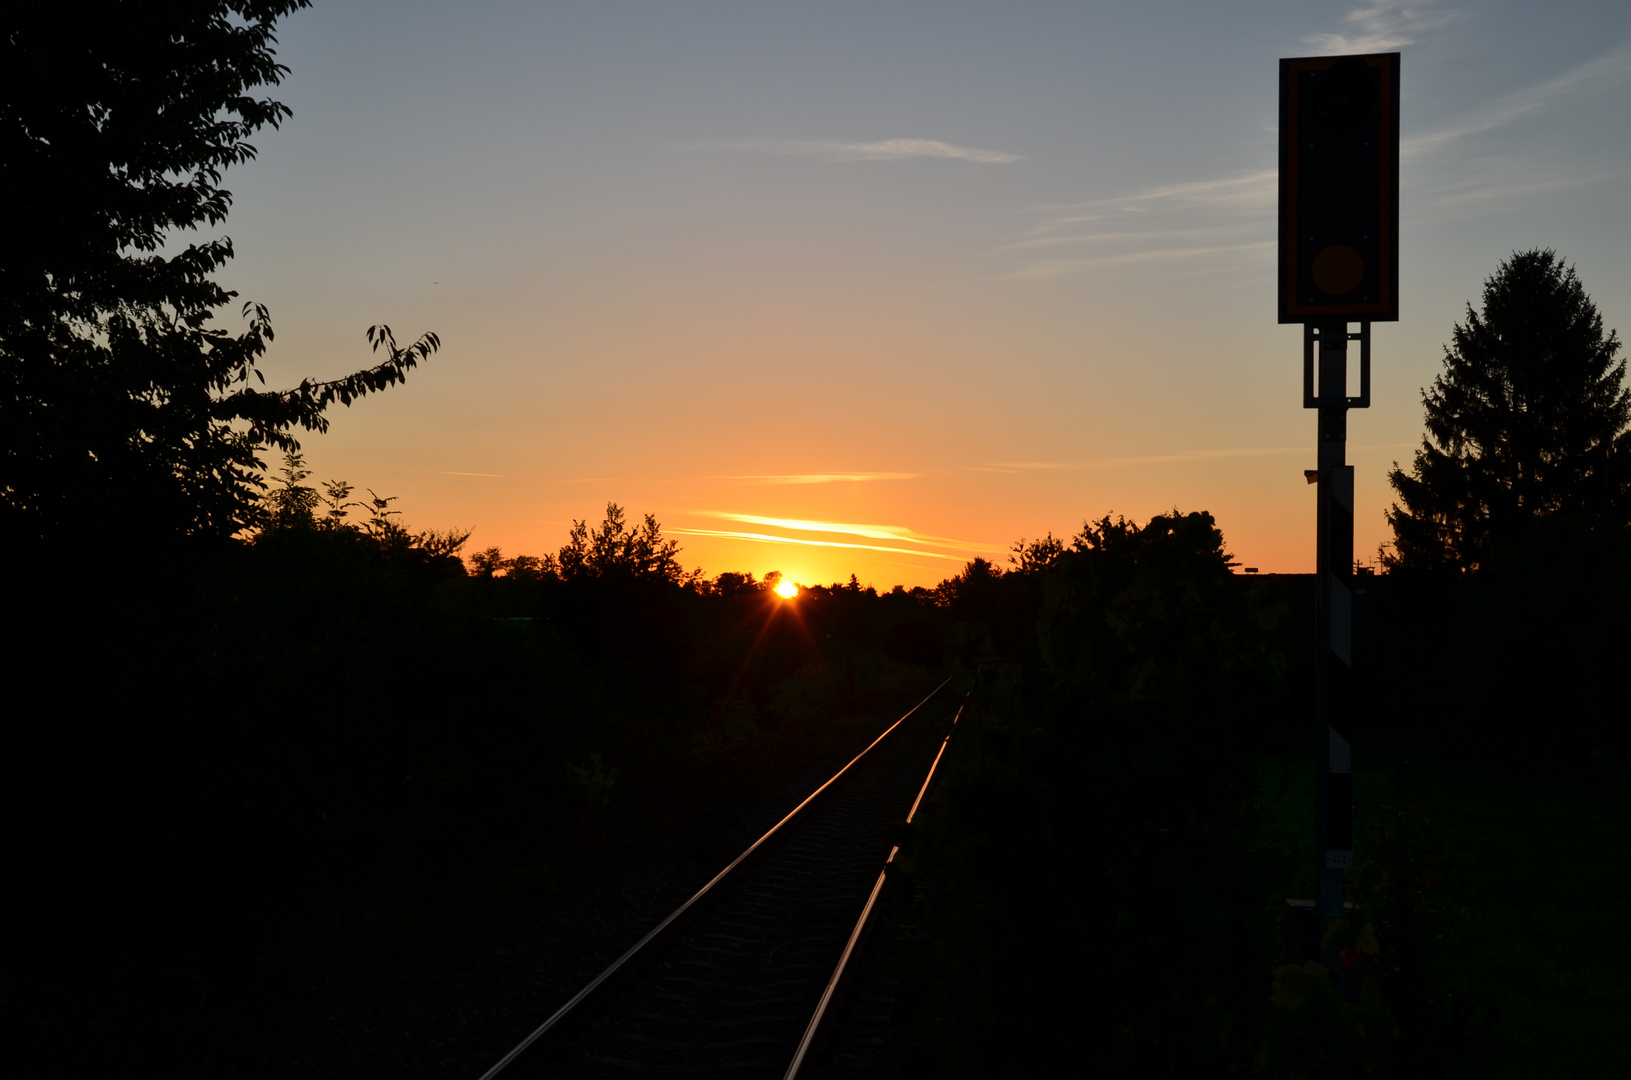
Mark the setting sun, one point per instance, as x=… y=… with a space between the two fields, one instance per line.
x=787 y=590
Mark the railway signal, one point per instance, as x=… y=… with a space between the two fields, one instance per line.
x=1339 y=263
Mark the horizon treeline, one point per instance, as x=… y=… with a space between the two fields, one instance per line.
x=614 y=549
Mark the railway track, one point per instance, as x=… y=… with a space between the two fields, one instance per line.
x=742 y=978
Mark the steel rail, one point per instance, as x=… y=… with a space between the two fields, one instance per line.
x=530 y=1047
x=853 y=946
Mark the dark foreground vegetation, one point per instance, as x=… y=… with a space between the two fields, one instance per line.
x=1527 y=978
x=1106 y=881
x=253 y=775
x=256 y=773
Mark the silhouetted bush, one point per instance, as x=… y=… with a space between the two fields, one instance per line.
x=1521 y=657
x=1090 y=894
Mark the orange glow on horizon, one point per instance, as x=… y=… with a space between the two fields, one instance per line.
x=766 y=538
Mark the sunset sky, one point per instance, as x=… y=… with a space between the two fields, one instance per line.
x=874 y=288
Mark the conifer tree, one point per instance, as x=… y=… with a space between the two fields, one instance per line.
x=1527 y=421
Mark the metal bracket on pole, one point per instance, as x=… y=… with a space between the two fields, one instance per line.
x=1311 y=335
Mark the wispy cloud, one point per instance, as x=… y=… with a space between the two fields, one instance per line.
x=765 y=538
x=450 y=472
x=1456 y=169
x=897 y=533
x=1495 y=183
x=1604 y=73
x=882 y=150
x=1207 y=225
x=820 y=478
x=1381 y=25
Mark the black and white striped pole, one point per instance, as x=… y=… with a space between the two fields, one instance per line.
x=1339 y=262
x=1333 y=635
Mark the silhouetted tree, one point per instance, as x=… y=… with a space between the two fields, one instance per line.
x=971 y=583
x=731 y=583
x=1032 y=556
x=492 y=562
x=291 y=504
x=616 y=550
x=1528 y=420
x=119 y=402
x=613 y=551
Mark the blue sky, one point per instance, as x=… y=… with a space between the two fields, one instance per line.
x=953 y=273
